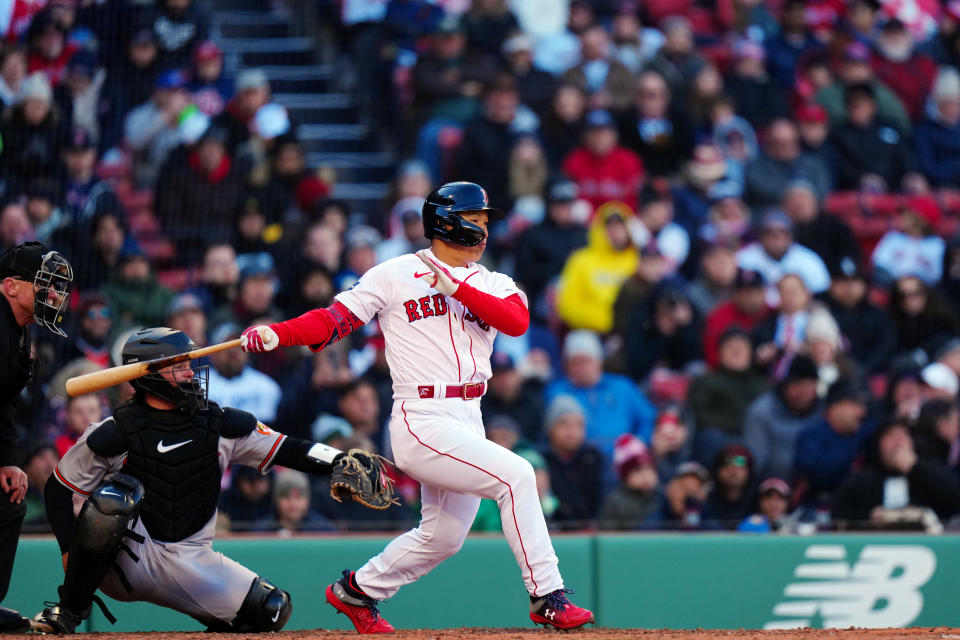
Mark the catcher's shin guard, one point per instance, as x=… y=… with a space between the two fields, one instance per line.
x=265 y=608
x=98 y=536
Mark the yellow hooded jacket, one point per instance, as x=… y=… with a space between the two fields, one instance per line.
x=593 y=275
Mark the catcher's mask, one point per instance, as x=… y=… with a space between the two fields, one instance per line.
x=185 y=384
x=52 y=277
x=444 y=206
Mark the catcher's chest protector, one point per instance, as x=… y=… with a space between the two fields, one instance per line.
x=178 y=466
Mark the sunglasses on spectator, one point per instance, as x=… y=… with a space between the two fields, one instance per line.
x=98 y=312
x=735 y=461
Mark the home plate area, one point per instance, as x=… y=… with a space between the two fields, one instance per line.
x=934 y=633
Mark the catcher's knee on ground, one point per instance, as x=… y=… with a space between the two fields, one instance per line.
x=265 y=608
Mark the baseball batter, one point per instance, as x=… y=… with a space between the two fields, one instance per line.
x=151 y=475
x=439 y=312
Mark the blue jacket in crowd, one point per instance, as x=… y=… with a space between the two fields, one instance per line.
x=824 y=456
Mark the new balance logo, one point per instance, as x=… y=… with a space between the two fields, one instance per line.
x=162 y=448
x=549 y=613
x=880 y=589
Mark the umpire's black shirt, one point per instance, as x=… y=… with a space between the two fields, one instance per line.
x=14 y=374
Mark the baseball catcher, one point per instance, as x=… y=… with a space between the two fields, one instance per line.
x=150 y=474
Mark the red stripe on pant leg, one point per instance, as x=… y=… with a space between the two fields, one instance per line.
x=509 y=488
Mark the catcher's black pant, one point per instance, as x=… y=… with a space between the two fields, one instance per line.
x=11 y=517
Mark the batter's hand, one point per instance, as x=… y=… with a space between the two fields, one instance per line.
x=441 y=280
x=259 y=339
x=13 y=481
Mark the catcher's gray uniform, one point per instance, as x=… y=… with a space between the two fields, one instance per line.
x=186 y=575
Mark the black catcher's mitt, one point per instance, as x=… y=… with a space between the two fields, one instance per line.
x=360 y=475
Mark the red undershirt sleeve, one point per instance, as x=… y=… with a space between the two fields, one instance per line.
x=509 y=315
x=317 y=328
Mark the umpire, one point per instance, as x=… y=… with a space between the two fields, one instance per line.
x=35 y=284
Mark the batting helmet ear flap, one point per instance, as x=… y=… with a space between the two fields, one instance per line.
x=443 y=208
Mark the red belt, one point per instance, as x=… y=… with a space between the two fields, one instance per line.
x=467 y=391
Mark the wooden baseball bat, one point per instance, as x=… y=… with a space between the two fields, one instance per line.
x=97 y=380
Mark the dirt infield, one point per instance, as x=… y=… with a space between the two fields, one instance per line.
x=935 y=633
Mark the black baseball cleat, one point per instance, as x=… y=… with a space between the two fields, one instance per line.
x=57 y=619
x=556 y=610
x=13 y=622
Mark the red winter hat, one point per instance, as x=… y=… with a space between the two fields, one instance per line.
x=924 y=207
x=629 y=452
x=811 y=112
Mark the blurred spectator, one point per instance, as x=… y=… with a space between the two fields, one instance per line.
x=100 y=257
x=773 y=506
x=291 y=506
x=634 y=44
x=527 y=171
x=912 y=247
x=488 y=138
x=704 y=98
x=405 y=233
x=652 y=129
x=206 y=179
x=602 y=169
x=939 y=382
x=90 y=338
x=488 y=23
x=234 y=383
x=78 y=96
x=560 y=50
x=828 y=237
x=937 y=135
x=792 y=40
x=636 y=497
x=777 y=254
x=15 y=226
x=251 y=91
x=219 y=276
x=361 y=243
x=31 y=132
x=542 y=250
x=607 y=83
x=855 y=70
x=781 y=161
x=672 y=442
x=719 y=399
x=756 y=97
x=813 y=125
x=654 y=228
x=255 y=294
x=247 y=501
x=591 y=277
x=81 y=412
x=920 y=315
x=824 y=344
x=50 y=224
x=895 y=479
x=774 y=419
x=48 y=47
x=133 y=292
x=826 y=450
x=360 y=406
x=576 y=465
x=866 y=328
x=130 y=82
x=612 y=403
x=684 y=496
x=702 y=175
x=510 y=394
x=745 y=310
x=665 y=333
x=716 y=275
x=862 y=19
x=86 y=195
x=728 y=218
x=948 y=353
x=179 y=26
x=936 y=433
x=897 y=63
x=210 y=87
x=13 y=70
x=535 y=86
x=39 y=465
x=677 y=60
x=155 y=128
x=733 y=493
x=562 y=124
x=186 y=313
x=869 y=151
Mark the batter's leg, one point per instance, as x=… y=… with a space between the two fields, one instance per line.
x=445 y=522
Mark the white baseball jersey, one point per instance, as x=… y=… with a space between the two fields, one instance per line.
x=430 y=337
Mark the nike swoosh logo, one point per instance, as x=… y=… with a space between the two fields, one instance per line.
x=420 y=275
x=161 y=448
x=275 y=616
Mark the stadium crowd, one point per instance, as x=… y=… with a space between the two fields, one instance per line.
x=734 y=221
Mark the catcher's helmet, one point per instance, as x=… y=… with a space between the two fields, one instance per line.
x=162 y=342
x=51 y=275
x=441 y=213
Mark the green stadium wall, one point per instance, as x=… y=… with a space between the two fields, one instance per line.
x=651 y=581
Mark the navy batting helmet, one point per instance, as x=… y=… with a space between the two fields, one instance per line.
x=441 y=213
